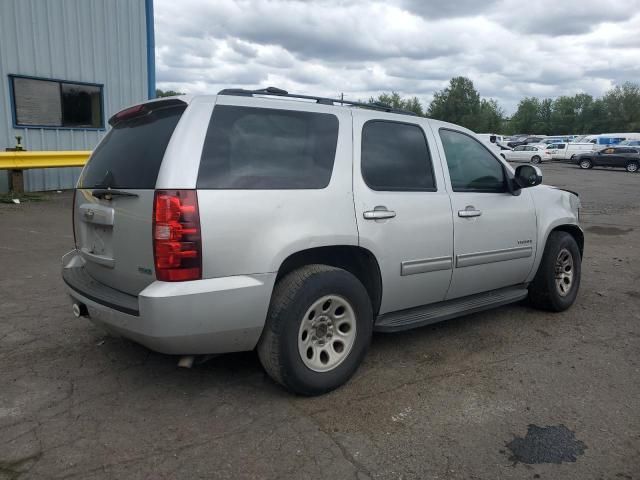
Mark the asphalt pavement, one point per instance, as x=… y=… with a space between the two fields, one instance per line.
x=512 y=393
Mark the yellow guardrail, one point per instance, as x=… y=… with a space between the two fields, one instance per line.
x=23 y=160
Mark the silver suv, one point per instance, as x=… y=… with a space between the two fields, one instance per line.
x=298 y=225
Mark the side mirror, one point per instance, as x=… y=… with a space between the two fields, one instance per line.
x=527 y=176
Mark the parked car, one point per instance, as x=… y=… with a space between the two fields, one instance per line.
x=527 y=153
x=524 y=141
x=568 y=151
x=617 y=157
x=252 y=220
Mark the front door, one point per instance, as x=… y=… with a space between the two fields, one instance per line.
x=608 y=157
x=403 y=210
x=494 y=231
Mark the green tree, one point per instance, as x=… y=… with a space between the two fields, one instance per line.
x=394 y=100
x=490 y=117
x=599 y=121
x=527 y=116
x=458 y=103
x=167 y=93
x=622 y=105
x=544 y=124
x=583 y=109
x=563 y=115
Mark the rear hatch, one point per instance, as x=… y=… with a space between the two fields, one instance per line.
x=113 y=207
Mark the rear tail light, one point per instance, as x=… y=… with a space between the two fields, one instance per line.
x=177 y=246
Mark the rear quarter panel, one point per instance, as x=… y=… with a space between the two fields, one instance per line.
x=254 y=231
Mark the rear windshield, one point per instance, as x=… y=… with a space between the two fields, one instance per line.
x=263 y=148
x=131 y=153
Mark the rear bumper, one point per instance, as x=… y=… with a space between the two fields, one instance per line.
x=216 y=315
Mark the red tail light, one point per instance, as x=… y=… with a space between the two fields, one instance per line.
x=176 y=236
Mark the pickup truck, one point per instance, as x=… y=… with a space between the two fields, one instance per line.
x=568 y=151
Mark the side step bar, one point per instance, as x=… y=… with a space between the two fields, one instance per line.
x=437 y=312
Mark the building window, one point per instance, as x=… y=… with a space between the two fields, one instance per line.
x=41 y=103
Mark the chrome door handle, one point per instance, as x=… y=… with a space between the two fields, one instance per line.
x=379 y=214
x=469 y=211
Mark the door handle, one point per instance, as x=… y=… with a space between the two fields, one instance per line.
x=469 y=211
x=379 y=213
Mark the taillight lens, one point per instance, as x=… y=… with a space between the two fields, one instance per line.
x=177 y=246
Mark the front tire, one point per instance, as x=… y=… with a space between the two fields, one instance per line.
x=632 y=167
x=557 y=281
x=318 y=329
x=585 y=164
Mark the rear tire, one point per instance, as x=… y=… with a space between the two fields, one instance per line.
x=536 y=159
x=557 y=281
x=298 y=324
x=585 y=164
x=632 y=167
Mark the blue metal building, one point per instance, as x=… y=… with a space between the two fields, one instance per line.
x=65 y=67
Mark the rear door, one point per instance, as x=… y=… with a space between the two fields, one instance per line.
x=114 y=197
x=402 y=208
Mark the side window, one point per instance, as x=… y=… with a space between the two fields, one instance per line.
x=472 y=168
x=266 y=149
x=519 y=148
x=561 y=146
x=395 y=157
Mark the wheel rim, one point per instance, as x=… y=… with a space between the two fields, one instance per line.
x=535 y=160
x=585 y=164
x=327 y=333
x=564 y=272
x=632 y=167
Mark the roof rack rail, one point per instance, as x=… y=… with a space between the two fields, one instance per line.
x=278 y=92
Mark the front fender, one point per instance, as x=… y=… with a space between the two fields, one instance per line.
x=555 y=209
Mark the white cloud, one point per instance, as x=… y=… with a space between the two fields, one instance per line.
x=325 y=47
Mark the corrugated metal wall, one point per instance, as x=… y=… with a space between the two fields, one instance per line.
x=97 y=41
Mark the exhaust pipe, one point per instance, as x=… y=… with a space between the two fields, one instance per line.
x=80 y=310
x=186 y=361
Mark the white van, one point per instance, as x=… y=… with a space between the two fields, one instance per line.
x=610 y=138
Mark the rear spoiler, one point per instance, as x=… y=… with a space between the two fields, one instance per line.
x=144 y=109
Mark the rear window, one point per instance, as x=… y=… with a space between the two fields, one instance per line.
x=131 y=153
x=262 y=148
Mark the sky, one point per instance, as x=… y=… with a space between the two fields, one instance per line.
x=509 y=49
